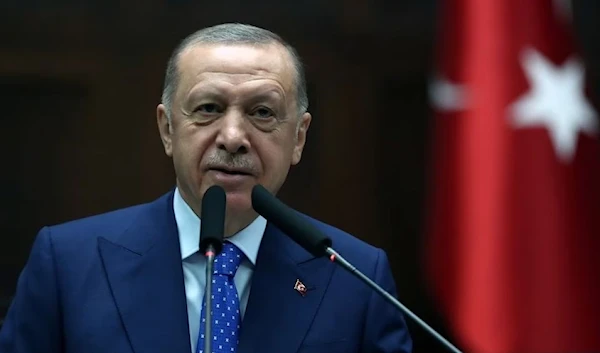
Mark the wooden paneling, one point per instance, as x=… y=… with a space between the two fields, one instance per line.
x=36 y=144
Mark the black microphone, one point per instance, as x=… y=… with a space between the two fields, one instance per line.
x=319 y=244
x=212 y=229
x=288 y=220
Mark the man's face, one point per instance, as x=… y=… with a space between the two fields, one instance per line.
x=234 y=123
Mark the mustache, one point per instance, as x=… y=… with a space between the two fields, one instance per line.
x=230 y=161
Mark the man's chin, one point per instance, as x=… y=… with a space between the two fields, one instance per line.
x=239 y=214
x=239 y=204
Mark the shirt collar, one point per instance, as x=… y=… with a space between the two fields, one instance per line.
x=188 y=226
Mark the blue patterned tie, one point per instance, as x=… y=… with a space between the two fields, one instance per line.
x=225 y=303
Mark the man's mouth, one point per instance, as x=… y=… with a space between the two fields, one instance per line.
x=231 y=171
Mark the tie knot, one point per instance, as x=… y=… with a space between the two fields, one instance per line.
x=228 y=261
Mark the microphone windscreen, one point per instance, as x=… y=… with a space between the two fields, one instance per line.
x=212 y=219
x=289 y=221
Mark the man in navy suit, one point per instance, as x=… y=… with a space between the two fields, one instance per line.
x=234 y=114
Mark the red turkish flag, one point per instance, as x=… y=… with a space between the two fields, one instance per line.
x=514 y=229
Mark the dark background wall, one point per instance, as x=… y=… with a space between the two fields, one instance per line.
x=79 y=83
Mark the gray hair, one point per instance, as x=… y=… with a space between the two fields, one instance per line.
x=232 y=33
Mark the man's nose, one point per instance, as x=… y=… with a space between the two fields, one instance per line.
x=233 y=134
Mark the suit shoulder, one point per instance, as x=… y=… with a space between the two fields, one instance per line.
x=367 y=258
x=344 y=241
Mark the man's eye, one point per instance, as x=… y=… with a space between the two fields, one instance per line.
x=262 y=113
x=208 y=108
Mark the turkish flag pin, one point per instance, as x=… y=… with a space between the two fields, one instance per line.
x=300 y=287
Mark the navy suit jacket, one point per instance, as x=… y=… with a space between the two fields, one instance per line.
x=113 y=283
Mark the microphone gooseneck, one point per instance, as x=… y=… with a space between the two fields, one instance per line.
x=319 y=244
x=337 y=258
x=212 y=229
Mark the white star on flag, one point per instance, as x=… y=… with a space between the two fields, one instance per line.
x=556 y=100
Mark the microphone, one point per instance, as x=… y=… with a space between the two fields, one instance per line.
x=288 y=220
x=212 y=229
x=319 y=244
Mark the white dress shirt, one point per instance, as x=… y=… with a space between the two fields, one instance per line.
x=194 y=264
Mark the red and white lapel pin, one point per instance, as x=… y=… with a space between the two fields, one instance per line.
x=300 y=287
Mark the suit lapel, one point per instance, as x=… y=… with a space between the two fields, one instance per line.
x=145 y=273
x=278 y=317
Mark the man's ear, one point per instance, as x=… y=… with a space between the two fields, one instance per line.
x=301 y=131
x=164 y=128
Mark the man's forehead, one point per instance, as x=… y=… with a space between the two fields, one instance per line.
x=269 y=60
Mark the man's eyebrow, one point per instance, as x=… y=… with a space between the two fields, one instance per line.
x=204 y=92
